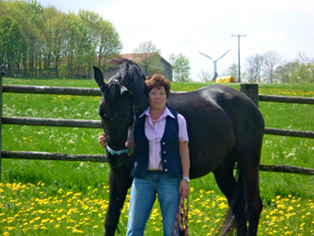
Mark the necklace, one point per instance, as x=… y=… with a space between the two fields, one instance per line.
x=154 y=120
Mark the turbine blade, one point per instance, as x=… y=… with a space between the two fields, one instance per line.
x=206 y=55
x=223 y=55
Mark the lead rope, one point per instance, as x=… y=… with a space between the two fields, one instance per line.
x=180 y=215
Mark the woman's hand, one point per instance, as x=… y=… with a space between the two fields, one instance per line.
x=184 y=188
x=102 y=140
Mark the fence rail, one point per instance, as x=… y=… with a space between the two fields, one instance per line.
x=291 y=133
x=51 y=90
x=51 y=122
x=52 y=156
x=97 y=124
x=285 y=99
x=101 y=158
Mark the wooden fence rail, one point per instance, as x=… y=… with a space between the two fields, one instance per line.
x=250 y=90
x=51 y=90
x=271 y=98
x=97 y=124
x=52 y=156
x=51 y=122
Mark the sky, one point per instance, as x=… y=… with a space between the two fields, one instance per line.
x=207 y=26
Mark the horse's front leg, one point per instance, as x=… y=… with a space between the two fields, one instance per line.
x=118 y=187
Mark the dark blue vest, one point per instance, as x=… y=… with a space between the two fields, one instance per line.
x=170 y=155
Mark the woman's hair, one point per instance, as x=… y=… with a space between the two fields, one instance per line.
x=156 y=81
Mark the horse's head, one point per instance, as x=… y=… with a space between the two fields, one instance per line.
x=116 y=111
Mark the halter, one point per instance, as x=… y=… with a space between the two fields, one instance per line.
x=126 y=150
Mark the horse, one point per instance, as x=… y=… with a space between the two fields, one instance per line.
x=224 y=127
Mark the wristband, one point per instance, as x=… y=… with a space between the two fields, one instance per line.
x=187 y=179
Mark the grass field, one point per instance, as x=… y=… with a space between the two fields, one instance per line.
x=65 y=198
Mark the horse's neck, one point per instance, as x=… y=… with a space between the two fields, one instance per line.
x=139 y=99
x=140 y=102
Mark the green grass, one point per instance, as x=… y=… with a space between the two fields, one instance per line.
x=65 y=198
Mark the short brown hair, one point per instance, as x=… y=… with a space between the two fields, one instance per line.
x=156 y=81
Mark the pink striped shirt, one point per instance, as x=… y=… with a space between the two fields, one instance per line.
x=155 y=133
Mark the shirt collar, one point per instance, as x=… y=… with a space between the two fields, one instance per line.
x=166 y=113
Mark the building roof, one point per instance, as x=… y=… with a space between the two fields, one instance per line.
x=139 y=59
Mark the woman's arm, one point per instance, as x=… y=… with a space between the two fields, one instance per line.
x=185 y=163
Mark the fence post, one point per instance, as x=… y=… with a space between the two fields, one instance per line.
x=250 y=90
x=1 y=82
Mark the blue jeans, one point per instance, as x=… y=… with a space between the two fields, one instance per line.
x=143 y=195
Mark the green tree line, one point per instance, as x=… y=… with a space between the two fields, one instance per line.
x=37 y=41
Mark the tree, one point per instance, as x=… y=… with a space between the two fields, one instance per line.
x=302 y=70
x=29 y=18
x=53 y=35
x=78 y=46
x=48 y=42
x=92 y=21
x=270 y=60
x=254 y=68
x=232 y=70
x=147 y=55
x=282 y=72
x=181 y=67
x=110 y=44
x=205 y=76
x=12 y=44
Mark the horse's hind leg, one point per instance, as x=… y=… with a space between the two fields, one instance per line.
x=225 y=179
x=249 y=173
x=226 y=182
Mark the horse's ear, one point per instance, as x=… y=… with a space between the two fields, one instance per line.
x=125 y=91
x=99 y=78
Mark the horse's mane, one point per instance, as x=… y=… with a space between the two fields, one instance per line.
x=131 y=76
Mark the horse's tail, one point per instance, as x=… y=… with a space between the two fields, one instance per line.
x=234 y=221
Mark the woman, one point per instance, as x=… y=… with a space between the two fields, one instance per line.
x=162 y=161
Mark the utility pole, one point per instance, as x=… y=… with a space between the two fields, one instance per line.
x=239 y=68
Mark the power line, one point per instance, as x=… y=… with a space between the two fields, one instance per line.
x=239 y=67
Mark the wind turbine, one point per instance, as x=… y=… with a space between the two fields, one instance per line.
x=215 y=63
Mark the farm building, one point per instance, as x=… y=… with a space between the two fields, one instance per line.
x=167 y=70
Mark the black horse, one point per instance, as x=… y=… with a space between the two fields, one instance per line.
x=224 y=126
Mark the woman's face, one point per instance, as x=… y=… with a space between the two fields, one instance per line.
x=157 y=98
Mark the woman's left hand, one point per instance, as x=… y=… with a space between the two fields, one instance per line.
x=184 y=188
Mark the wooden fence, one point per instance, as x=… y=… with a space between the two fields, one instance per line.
x=249 y=89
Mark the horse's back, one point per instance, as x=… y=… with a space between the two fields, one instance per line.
x=219 y=119
x=248 y=122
